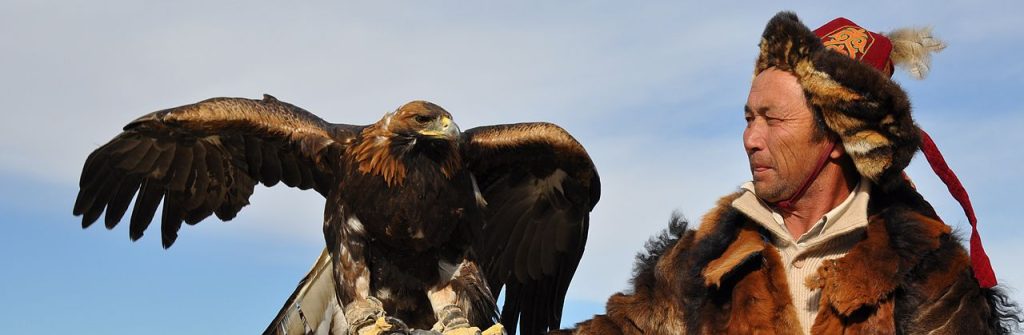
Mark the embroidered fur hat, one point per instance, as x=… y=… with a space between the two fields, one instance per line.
x=845 y=72
x=868 y=111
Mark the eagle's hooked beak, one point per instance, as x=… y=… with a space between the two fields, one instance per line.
x=442 y=127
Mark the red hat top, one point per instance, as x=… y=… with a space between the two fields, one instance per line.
x=844 y=36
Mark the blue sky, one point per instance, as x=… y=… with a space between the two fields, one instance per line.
x=653 y=90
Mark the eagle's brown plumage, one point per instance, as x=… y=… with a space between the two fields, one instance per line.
x=419 y=215
x=374 y=153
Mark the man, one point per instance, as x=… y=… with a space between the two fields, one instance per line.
x=830 y=236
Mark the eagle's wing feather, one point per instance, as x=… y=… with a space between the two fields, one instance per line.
x=539 y=186
x=204 y=159
x=313 y=307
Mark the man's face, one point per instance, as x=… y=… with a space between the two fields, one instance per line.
x=779 y=138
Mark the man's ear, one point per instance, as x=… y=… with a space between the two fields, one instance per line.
x=838 y=151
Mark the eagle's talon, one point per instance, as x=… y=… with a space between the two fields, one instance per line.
x=496 y=329
x=362 y=312
x=463 y=331
x=384 y=325
x=452 y=321
x=391 y=325
x=451 y=317
x=367 y=317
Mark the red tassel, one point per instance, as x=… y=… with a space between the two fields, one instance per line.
x=979 y=260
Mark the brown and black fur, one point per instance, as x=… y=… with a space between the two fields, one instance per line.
x=909 y=275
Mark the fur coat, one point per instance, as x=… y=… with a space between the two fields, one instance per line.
x=909 y=275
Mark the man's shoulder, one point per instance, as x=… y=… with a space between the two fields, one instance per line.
x=910 y=222
x=711 y=224
x=680 y=243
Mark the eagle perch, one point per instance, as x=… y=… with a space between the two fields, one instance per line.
x=422 y=223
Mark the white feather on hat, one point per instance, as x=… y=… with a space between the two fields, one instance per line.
x=912 y=49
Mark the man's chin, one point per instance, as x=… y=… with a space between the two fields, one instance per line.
x=766 y=191
x=760 y=184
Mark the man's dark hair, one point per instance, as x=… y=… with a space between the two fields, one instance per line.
x=820 y=128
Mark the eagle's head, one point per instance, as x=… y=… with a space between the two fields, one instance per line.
x=416 y=130
x=419 y=121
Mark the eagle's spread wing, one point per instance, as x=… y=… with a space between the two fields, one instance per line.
x=205 y=158
x=539 y=186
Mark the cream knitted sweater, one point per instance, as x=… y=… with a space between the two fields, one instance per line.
x=830 y=238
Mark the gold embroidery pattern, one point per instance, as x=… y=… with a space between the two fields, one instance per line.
x=850 y=41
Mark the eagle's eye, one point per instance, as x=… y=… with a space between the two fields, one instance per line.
x=422 y=118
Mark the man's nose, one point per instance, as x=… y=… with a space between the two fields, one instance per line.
x=753 y=138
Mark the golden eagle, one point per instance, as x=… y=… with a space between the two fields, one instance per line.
x=423 y=223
